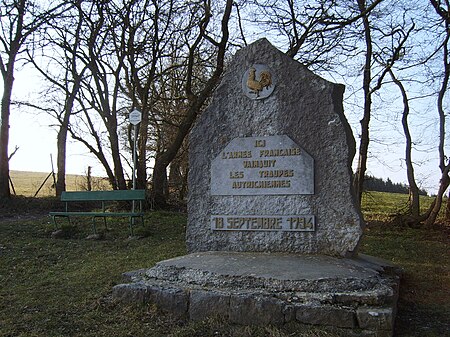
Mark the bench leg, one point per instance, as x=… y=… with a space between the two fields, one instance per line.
x=133 y=221
x=56 y=224
x=131 y=225
x=93 y=225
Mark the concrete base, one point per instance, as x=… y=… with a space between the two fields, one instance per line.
x=359 y=294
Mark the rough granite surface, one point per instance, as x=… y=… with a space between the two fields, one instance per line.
x=309 y=110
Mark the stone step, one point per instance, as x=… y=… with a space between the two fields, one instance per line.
x=308 y=289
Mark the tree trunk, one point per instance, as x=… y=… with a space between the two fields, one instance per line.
x=7 y=69
x=89 y=179
x=184 y=186
x=61 y=160
x=176 y=178
x=163 y=159
x=14 y=36
x=118 y=169
x=195 y=106
x=8 y=81
x=115 y=153
x=364 y=142
x=436 y=206
x=159 y=181
x=141 y=177
x=413 y=189
x=414 y=205
x=68 y=107
x=4 y=135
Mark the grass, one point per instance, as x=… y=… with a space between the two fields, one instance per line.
x=62 y=287
x=382 y=205
x=423 y=254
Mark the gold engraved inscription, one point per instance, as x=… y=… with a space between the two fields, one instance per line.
x=261 y=172
x=262 y=164
x=295 y=151
x=236 y=175
x=259 y=163
x=262 y=184
x=292 y=223
x=276 y=174
x=236 y=154
x=254 y=223
x=300 y=223
x=260 y=143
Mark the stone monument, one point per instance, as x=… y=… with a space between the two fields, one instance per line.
x=273 y=228
x=271 y=168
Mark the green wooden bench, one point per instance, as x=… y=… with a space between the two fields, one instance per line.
x=103 y=197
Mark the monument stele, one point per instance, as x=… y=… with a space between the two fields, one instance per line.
x=273 y=228
x=270 y=162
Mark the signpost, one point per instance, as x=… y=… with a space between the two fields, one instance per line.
x=135 y=118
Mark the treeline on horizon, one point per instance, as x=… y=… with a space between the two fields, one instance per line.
x=381 y=185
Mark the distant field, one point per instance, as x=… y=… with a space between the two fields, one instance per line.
x=382 y=205
x=27 y=183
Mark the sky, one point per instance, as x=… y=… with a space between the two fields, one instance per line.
x=33 y=133
x=36 y=138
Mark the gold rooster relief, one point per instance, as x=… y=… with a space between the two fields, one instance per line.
x=257 y=82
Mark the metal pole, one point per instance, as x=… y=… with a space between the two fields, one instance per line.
x=134 y=157
x=135 y=118
x=134 y=175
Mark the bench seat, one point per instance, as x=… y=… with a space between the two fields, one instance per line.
x=97 y=214
x=103 y=197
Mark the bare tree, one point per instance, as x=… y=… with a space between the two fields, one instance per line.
x=442 y=9
x=78 y=61
x=414 y=203
x=312 y=33
x=196 y=97
x=149 y=29
x=118 y=56
x=385 y=57
x=61 y=46
x=367 y=78
x=372 y=83
x=20 y=19
x=96 y=72
x=323 y=34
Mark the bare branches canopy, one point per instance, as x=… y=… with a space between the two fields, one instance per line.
x=100 y=60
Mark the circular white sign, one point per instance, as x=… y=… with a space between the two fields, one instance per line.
x=135 y=117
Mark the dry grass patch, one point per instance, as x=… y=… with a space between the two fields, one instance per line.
x=27 y=183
